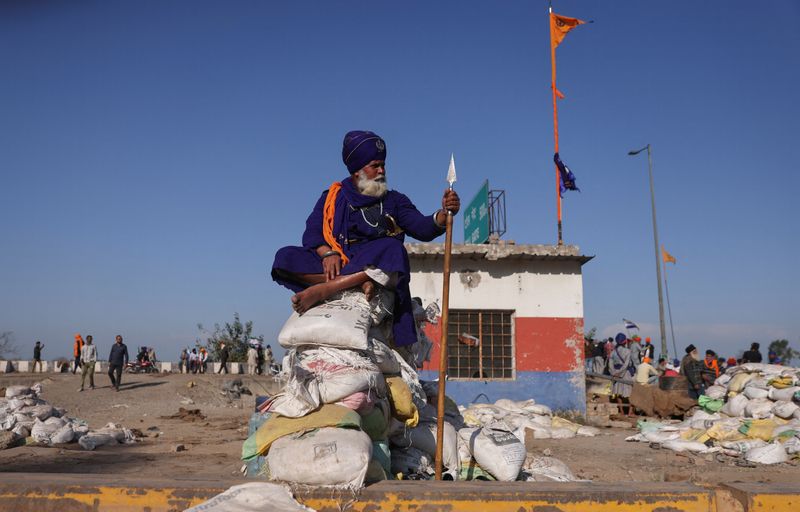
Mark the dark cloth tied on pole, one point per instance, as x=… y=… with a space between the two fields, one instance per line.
x=567 y=178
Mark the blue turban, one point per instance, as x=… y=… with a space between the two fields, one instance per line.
x=620 y=338
x=360 y=148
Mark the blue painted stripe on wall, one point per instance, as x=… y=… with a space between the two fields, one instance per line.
x=557 y=390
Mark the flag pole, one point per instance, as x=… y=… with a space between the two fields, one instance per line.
x=448 y=249
x=669 y=307
x=555 y=122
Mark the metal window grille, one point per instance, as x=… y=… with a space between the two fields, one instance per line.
x=480 y=344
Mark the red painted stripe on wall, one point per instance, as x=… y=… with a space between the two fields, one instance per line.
x=541 y=344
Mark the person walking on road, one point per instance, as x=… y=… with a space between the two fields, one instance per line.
x=88 y=360
x=252 y=360
x=223 y=358
x=76 y=351
x=37 y=356
x=116 y=361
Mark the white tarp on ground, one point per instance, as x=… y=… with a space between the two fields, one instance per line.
x=253 y=497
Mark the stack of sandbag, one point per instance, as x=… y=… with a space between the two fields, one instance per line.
x=752 y=411
x=329 y=425
x=525 y=417
x=24 y=413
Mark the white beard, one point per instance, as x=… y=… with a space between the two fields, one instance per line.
x=371 y=187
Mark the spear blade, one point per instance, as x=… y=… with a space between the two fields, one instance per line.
x=451 y=172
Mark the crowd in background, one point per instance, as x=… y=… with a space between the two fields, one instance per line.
x=630 y=360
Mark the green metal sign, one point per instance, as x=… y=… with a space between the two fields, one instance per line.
x=476 y=217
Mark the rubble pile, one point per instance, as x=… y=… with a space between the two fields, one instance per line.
x=751 y=413
x=31 y=419
x=353 y=410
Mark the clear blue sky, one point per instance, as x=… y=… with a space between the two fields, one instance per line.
x=154 y=155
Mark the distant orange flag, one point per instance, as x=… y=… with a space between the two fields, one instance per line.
x=667 y=257
x=559 y=26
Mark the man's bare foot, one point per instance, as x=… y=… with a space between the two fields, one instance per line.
x=369 y=289
x=308 y=298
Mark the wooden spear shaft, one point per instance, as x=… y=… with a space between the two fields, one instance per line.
x=448 y=248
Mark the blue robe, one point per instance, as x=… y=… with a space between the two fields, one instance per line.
x=364 y=227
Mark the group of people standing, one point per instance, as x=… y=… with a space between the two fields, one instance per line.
x=85 y=354
x=628 y=361
x=195 y=360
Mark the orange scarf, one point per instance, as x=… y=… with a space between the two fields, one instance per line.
x=328 y=212
x=714 y=366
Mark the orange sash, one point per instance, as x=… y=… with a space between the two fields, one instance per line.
x=328 y=212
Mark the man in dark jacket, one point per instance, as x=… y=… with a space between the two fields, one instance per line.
x=116 y=361
x=223 y=358
x=753 y=355
x=691 y=368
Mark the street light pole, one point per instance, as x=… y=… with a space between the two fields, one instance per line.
x=655 y=241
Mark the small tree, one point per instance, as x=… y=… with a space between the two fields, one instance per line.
x=235 y=335
x=784 y=352
x=7 y=345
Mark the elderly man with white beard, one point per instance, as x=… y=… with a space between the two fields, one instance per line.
x=354 y=237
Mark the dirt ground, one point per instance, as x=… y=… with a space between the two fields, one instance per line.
x=213 y=445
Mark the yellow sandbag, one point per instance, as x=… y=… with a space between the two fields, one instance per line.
x=403 y=408
x=759 y=429
x=563 y=423
x=739 y=380
x=329 y=415
x=725 y=432
x=781 y=382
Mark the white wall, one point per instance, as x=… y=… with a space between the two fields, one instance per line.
x=531 y=288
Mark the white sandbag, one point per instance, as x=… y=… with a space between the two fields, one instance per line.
x=723 y=380
x=770 y=454
x=739 y=381
x=335 y=386
x=735 y=407
x=759 y=408
x=17 y=403
x=743 y=446
x=716 y=392
x=21 y=430
x=383 y=357
x=587 y=431
x=252 y=497
x=41 y=411
x=24 y=419
x=330 y=457
x=792 y=445
x=539 y=409
x=340 y=322
x=784 y=394
x=411 y=461
x=300 y=394
x=547 y=469
x=92 y=440
x=784 y=409
x=8 y=422
x=758 y=382
x=516 y=421
x=423 y=437
x=660 y=436
x=680 y=445
x=754 y=392
x=42 y=430
x=513 y=406
x=562 y=433
x=497 y=451
x=14 y=391
x=63 y=435
x=536 y=430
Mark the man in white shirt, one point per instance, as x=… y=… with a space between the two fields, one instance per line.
x=645 y=373
x=88 y=360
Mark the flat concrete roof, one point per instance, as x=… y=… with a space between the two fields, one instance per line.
x=502 y=250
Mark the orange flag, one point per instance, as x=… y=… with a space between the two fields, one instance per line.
x=667 y=257
x=559 y=26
